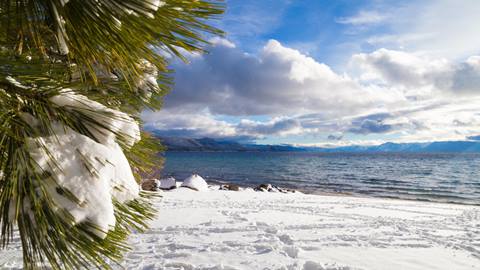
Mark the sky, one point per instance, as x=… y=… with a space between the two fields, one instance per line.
x=331 y=73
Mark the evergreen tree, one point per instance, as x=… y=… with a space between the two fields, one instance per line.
x=74 y=77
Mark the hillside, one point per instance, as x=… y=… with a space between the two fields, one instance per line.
x=209 y=144
x=215 y=145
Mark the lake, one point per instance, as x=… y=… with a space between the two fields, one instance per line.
x=451 y=177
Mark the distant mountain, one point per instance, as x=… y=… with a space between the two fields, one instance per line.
x=431 y=147
x=204 y=144
x=209 y=144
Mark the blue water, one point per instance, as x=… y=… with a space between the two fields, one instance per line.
x=449 y=177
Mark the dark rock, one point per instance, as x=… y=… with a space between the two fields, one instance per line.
x=263 y=187
x=170 y=188
x=231 y=187
x=272 y=188
x=150 y=185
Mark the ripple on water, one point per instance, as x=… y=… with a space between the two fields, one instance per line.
x=433 y=177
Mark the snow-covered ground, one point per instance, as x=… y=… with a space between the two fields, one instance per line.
x=260 y=230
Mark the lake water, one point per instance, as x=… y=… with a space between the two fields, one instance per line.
x=433 y=177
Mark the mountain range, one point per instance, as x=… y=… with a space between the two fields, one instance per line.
x=214 y=145
x=218 y=145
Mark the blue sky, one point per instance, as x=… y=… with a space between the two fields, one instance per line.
x=332 y=73
x=310 y=26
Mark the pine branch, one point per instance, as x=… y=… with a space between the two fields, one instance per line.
x=106 y=51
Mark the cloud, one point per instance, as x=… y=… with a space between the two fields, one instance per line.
x=406 y=96
x=413 y=71
x=474 y=138
x=440 y=28
x=278 y=81
x=466 y=76
x=168 y=123
x=401 y=68
x=364 y=18
x=371 y=124
x=171 y=124
x=333 y=137
x=277 y=126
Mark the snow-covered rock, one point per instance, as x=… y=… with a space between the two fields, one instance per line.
x=168 y=183
x=195 y=182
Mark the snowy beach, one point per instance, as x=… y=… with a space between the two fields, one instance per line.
x=217 y=229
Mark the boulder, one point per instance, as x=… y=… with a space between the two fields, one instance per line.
x=195 y=182
x=151 y=184
x=231 y=187
x=168 y=183
x=272 y=188
x=263 y=187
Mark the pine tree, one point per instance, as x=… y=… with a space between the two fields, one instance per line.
x=74 y=77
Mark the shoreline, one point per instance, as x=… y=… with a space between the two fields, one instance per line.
x=343 y=194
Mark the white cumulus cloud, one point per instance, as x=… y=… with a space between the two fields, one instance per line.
x=408 y=96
